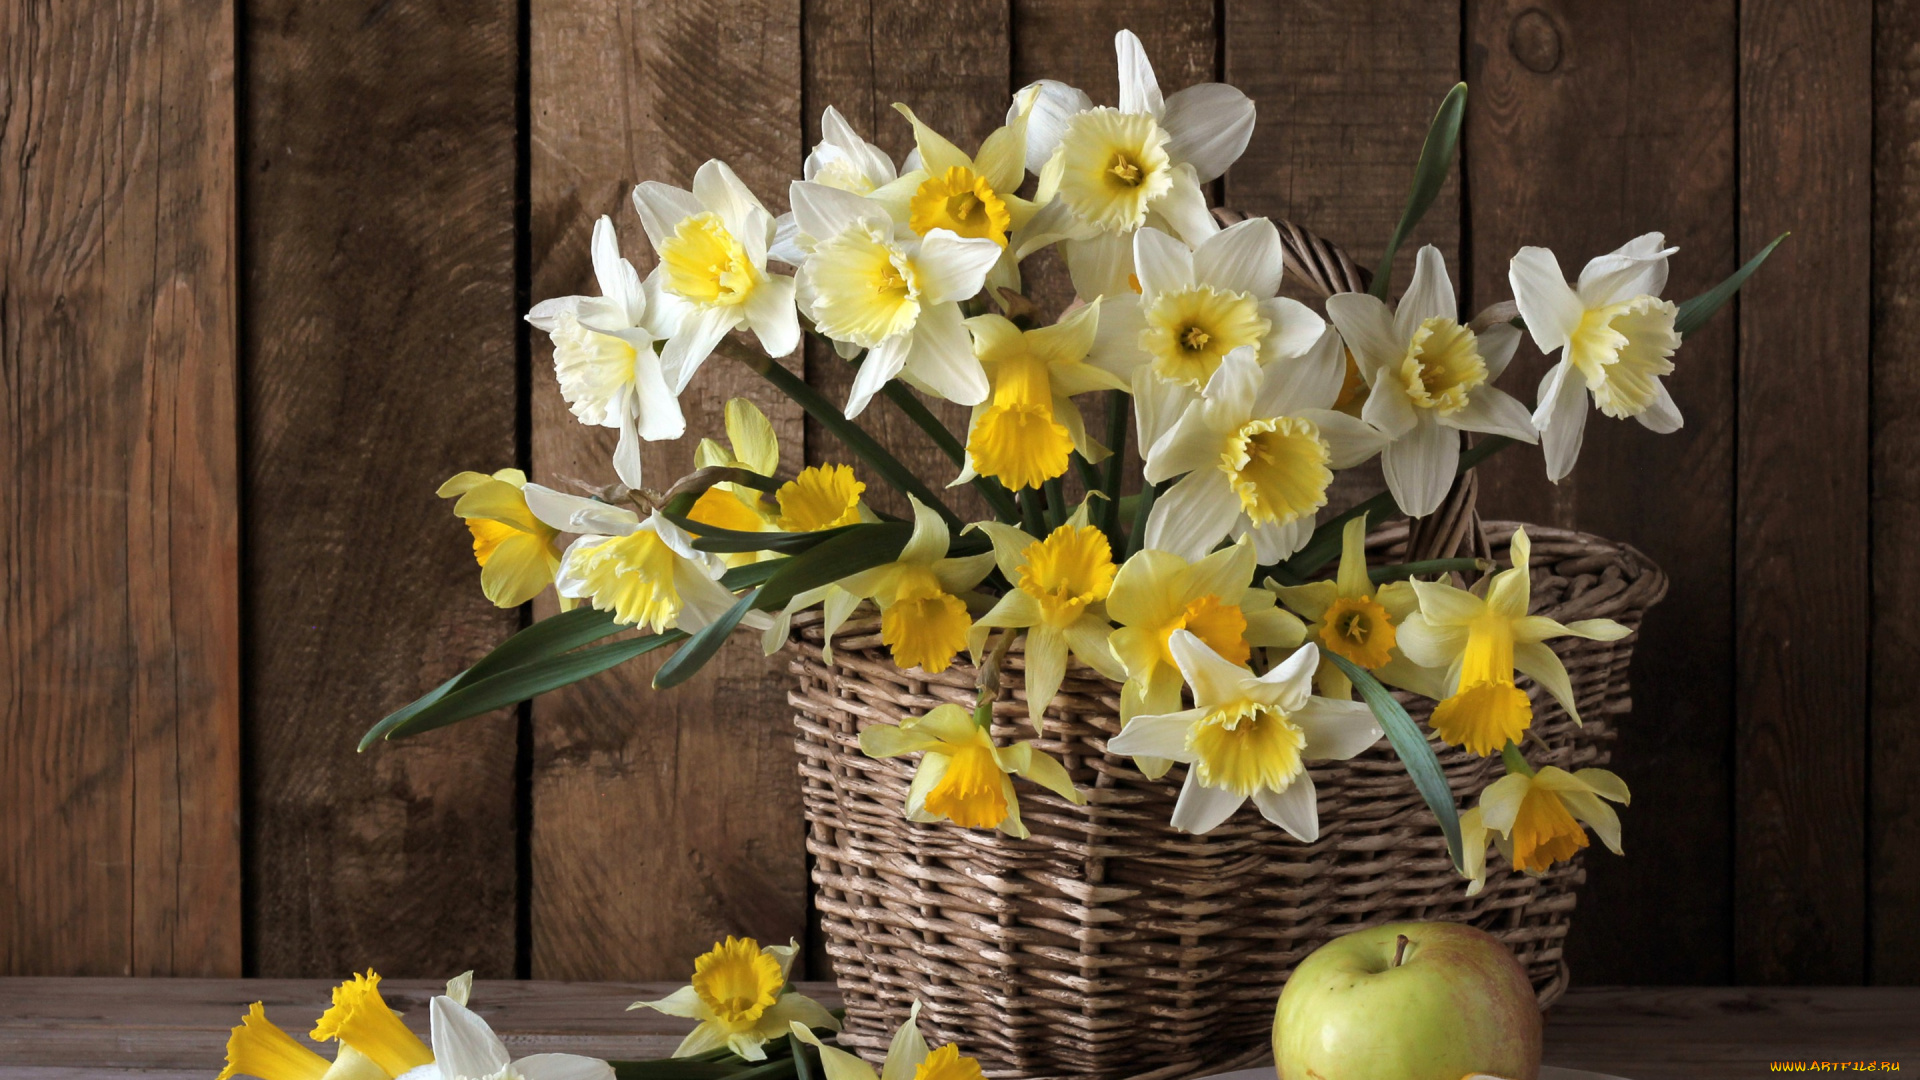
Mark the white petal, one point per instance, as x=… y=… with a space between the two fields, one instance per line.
x=1245 y=257
x=719 y=190
x=950 y=268
x=1388 y=407
x=562 y=1067
x=1552 y=311
x=1310 y=381
x=1662 y=416
x=1116 y=336
x=545 y=315
x=1184 y=208
x=1162 y=263
x=619 y=281
x=662 y=207
x=1158 y=404
x=1236 y=383
x=1351 y=441
x=1637 y=268
x=1497 y=346
x=1274 y=542
x=573 y=514
x=883 y=362
x=1099 y=265
x=463 y=1044
x=1297 y=329
x=1419 y=467
x=1056 y=104
x=1215 y=680
x=1190 y=445
x=1335 y=730
x=626 y=452
x=1561 y=418
x=1290 y=682
x=1296 y=809
x=699 y=332
x=1162 y=736
x=1428 y=296
x=1200 y=808
x=770 y=314
x=941 y=358
x=1367 y=327
x=1192 y=515
x=1208 y=126
x=1494 y=412
x=1139 y=90
x=824 y=212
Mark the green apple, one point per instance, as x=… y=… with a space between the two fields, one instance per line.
x=1408 y=1001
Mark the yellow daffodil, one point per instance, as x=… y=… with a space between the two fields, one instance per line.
x=1431 y=378
x=1023 y=434
x=1255 y=455
x=1481 y=641
x=738 y=994
x=1060 y=588
x=1536 y=819
x=752 y=446
x=1355 y=620
x=1157 y=593
x=604 y=357
x=647 y=573
x=820 y=497
x=922 y=617
x=896 y=295
x=963 y=777
x=1105 y=172
x=259 y=1048
x=1249 y=737
x=969 y=196
x=713 y=274
x=907 y=1057
x=361 y=1019
x=1615 y=337
x=517 y=552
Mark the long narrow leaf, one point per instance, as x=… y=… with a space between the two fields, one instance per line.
x=861 y=547
x=1694 y=313
x=693 y=656
x=1416 y=753
x=714 y=538
x=1429 y=176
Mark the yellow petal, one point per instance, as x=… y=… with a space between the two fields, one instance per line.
x=259 y=1048
x=754 y=443
x=360 y=1017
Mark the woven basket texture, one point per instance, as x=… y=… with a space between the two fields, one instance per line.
x=1110 y=945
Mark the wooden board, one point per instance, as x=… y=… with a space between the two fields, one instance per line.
x=1801 y=639
x=1586 y=128
x=1893 y=810
x=661 y=821
x=119 y=609
x=379 y=165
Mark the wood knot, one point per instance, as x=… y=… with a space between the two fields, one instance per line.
x=1535 y=41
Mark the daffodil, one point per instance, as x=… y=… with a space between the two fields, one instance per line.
x=753 y=447
x=820 y=497
x=517 y=552
x=1536 y=819
x=972 y=196
x=1022 y=435
x=1157 y=593
x=1355 y=620
x=895 y=295
x=907 y=1057
x=604 y=356
x=739 y=996
x=1255 y=454
x=1249 y=737
x=466 y=1048
x=257 y=1047
x=1430 y=378
x=923 y=620
x=647 y=573
x=1060 y=585
x=1480 y=641
x=361 y=1019
x=841 y=159
x=963 y=777
x=1105 y=172
x=712 y=243
x=1614 y=335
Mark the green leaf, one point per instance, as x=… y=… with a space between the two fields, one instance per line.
x=1416 y=753
x=700 y=648
x=1436 y=159
x=1694 y=313
x=861 y=547
x=802 y=1068
x=727 y=541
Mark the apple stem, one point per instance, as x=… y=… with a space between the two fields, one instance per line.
x=1400 y=950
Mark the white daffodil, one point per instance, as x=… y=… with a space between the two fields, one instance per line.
x=1615 y=337
x=841 y=159
x=466 y=1048
x=907 y=1057
x=1194 y=306
x=1105 y=172
x=647 y=573
x=1249 y=737
x=1022 y=435
x=712 y=243
x=1430 y=378
x=604 y=358
x=1258 y=450
x=739 y=996
x=895 y=295
x=923 y=619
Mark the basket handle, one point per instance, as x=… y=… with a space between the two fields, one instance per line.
x=1455 y=527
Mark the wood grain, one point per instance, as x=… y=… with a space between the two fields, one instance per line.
x=1893 y=810
x=1801 y=638
x=379 y=170
x=1588 y=127
x=119 y=612
x=662 y=821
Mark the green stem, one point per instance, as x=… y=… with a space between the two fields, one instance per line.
x=830 y=417
x=1031 y=517
x=989 y=681
x=1117 y=413
x=1516 y=762
x=1056 y=502
x=917 y=411
x=1141 y=512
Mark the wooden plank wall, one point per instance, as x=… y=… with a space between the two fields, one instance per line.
x=249 y=321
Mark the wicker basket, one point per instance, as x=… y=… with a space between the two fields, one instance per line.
x=1108 y=944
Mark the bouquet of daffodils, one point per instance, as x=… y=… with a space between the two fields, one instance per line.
x=1203 y=593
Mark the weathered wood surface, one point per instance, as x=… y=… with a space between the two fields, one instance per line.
x=65 y=1029
x=379 y=183
x=119 y=602
x=661 y=821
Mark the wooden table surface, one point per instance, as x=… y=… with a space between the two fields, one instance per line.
x=173 y=1029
